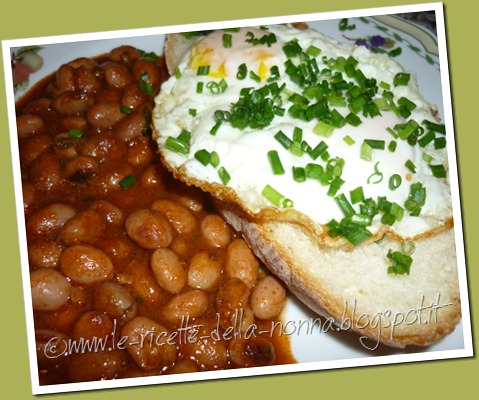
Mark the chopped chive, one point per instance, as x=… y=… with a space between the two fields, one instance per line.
x=224 y=175
x=392 y=146
x=427 y=158
x=366 y=152
x=357 y=195
x=400 y=263
x=125 y=110
x=440 y=143
x=297 y=135
x=127 y=181
x=313 y=171
x=299 y=174
x=199 y=87
x=323 y=129
x=275 y=162
x=184 y=136
x=401 y=79
x=313 y=51
x=203 y=70
x=318 y=150
x=284 y=140
x=242 y=71
x=177 y=146
x=335 y=186
x=75 y=133
x=227 y=40
x=432 y=126
x=384 y=85
x=438 y=170
x=395 y=181
x=215 y=128
x=410 y=165
x=296 y=149
x=344 y=205
x=177 y=73
x=349 y=140
x=275 y=197
x=215 y=159
x=203 y=156
x=376 y=144
x=391 y=131
x=426 y=139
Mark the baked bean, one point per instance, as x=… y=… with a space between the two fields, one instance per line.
x=48 y=221
x=125 y=54
x=104 y=115
x=190 y=304
x=111 y=176
x=149 y=229
x=142 y=283
x=241 y=262
x=205 y=348
x=29 y=196
x=130 y=127
x=116 y=74
x=104 y=147
x=115 y=300
x=147 y=71
x=231 y=298
x=50 y=289
x=253 y=352
x=181 y=245
x=40 y=106
x=215 y=231
x=120 y=249
x=44 y=254
x=93 y=324
x=85 y=62
x=95 y=366
x=109 y=95
x=168 y=270
x=29 y=125
x=148 y=343
x=267 y=298
x=71 y=103
x=204 y=271
x=190 y=197
x=133 y=97
x=183 y=367
x=74 y=122
x=80 y=169
x=85 y=264
x=86 y=80
x=112 y=215
x=65 y=80
x=33 y=147
x=140 y=151
x=84 y=227
x=46 y=172
x=179 y=216
x=51 y=346
x=64 y=146
x=153 y=177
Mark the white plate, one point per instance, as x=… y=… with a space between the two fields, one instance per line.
x=419 y=55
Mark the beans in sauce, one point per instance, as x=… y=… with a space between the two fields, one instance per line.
x=118 y=249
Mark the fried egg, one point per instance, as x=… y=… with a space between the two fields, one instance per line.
x=337 y=119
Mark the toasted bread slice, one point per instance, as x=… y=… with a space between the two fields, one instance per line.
x=347 y=284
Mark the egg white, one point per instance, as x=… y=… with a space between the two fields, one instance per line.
x=243 y=153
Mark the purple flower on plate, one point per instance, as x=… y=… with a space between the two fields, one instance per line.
x=377 y=41
x=362 y=42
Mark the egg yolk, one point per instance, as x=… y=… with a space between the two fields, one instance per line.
x=224 y=61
